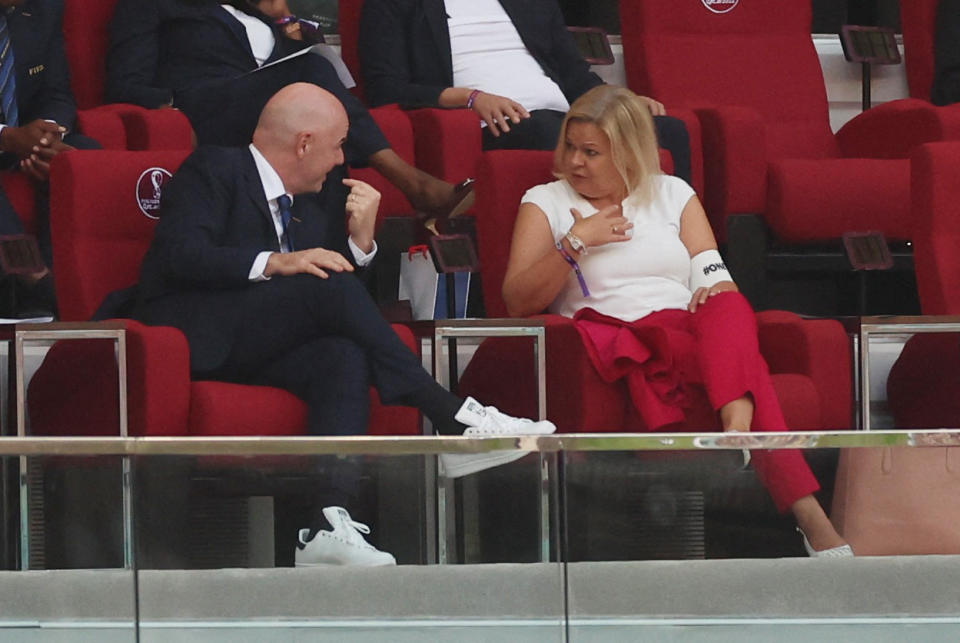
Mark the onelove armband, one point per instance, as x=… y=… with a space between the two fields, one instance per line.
x=707 y=269
x=576 y=269
x=472 y=98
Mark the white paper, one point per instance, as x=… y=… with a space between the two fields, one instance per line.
x=327 y=52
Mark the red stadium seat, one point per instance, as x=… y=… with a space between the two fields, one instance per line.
x=753 y=77
x=100 y=234
x=923 y=383
x=809 y=359
x=116 y=126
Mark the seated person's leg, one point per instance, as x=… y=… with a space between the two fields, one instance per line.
x=81 y=142
x=9 y=219
x=330 y=374
x=539 y=132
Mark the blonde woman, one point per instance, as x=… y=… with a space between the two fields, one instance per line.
x=627 y=251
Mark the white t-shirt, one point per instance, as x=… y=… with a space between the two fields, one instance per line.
x=629 y=279
x=489 y=55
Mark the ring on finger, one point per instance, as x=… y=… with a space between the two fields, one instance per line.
x=615 y=230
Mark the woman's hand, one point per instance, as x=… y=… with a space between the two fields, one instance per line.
x=700 y=295
x=606 y=226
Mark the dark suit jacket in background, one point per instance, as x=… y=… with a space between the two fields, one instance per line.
x=404 y=49
x=196 y=54
x=43 y=78
x=214 y=221
x=946 y=80
x=43 y=92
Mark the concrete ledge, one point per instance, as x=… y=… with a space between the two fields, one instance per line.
x=408 y=591
x=97 y=594
x=768 y=588
x=925 y=588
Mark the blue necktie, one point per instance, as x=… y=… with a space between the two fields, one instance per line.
x=284 y=203
x=8 y=81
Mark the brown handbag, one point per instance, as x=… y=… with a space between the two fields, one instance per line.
x=899 y=500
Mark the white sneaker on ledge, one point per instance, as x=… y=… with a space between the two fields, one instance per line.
x=344 y=545
x=486 y=421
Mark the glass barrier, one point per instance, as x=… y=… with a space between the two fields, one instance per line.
x=251 y=544
x=587 y=537
x=63 y=576
x=908 y=370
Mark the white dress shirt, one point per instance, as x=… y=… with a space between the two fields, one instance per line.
x=272 y=189
x=259 y=34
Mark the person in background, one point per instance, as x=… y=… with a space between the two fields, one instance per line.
x=946 y=80
x=513 y=62
x=208 y=58
x=628 y=253
x=38 y=119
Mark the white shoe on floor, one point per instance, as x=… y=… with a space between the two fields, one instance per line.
x=843 y=551
x=344 y=545
x=486 y=421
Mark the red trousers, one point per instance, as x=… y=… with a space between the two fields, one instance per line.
x=671 y=355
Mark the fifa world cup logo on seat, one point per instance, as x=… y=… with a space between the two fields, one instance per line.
x=149 y=190
x=720 y=6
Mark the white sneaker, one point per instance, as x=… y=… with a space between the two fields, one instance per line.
x=342 y=546
x=487 y=421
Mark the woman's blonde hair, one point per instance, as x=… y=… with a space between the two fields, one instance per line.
x=625 y=119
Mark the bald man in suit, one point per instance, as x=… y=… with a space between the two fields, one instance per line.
x=270 y=298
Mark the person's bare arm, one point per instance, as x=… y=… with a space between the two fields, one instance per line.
x=697 y=237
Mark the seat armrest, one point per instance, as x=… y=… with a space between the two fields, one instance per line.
x=448 y=142
x=734 y=163
x=155 y=129
x=104 y=126
x=891 y=130
x=158 y=380
x=817 y=348
x=74 y=392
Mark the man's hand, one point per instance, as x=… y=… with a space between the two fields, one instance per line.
x=498 y=111
x=37 y=165
x=362 y=205
x=22 y=140
x=315 y=261
x=656 y=107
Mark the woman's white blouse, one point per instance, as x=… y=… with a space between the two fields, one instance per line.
x=629 y=279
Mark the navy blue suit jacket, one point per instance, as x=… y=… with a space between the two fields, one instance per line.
x=214 y=221
x=404 y=49
x=161 y=47
x=43 y=78
x=196 y=54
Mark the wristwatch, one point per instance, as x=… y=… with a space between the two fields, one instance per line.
x=576 y=242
